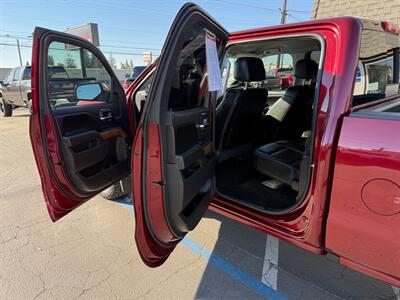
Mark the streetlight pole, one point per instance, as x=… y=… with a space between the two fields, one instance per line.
x=283 y=21
x=19 y=53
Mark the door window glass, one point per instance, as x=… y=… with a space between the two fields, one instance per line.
x=71 y=69
x=27 y=73
x=189 y=72
x=279 y=71
x=375 y=71
x=10 y=76
x=16 y=74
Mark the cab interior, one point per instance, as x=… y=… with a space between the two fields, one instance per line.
x=264 y=128
x=264 y=118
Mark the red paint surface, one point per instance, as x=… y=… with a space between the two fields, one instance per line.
x=57 y=192
x=130 y=102
x=368 y=149
x=152 y=253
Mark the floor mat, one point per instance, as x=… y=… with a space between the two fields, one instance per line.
x=239 y=181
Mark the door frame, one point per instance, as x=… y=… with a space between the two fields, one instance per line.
x=57 y=188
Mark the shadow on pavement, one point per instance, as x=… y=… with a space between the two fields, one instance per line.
x=301 y=275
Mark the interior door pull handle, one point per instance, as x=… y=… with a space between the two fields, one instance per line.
x=202 y=126
x=104 y=118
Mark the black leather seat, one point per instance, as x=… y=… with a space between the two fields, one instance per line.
x=281 y=161
x=291 y=115
x=239 y=112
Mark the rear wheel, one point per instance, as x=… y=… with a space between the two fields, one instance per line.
x=119 y=189
x=30 y=106
x=5 y=108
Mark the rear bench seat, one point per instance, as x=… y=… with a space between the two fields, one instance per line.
x=282 y=160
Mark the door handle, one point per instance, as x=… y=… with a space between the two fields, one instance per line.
x=204 y=122
x=105 y=115
x=203 y=126
x=105 y=118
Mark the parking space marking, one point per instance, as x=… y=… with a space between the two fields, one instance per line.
x=270 y=266
x=396 y=292
x=250 y=282
x=257 y=286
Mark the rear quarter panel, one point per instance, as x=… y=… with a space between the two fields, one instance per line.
x=363 y=225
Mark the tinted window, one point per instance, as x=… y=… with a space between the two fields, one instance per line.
x=189 y=71
x=27 y=73
x=10 y=75
x=279 y=72
x=16 y=74
x=69 y=68
x=136 y=71
x=375 y=72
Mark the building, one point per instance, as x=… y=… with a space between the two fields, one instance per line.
x=383 y=10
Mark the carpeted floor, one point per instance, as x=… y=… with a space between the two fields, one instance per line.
x=239 y=181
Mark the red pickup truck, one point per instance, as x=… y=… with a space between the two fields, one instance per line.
x=317 y=166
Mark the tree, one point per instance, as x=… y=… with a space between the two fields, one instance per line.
x=91 y=61
x=131 y=63
x=126 y=63
x=69 y=62
x=111 y=61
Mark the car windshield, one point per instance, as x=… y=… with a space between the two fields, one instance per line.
x=27 y=73
x=137 y=70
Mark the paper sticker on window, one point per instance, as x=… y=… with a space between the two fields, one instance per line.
x=213 y=68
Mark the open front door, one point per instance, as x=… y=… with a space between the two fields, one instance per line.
x=79 y=127
x=174 y=158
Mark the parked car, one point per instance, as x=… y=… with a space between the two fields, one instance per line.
x=135 y=73
x=15 y=90
x=319 y=169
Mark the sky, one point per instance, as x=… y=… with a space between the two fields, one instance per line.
x=128 y=28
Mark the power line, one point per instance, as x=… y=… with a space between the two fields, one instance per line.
x=106 y=52
x=106 y=46
x=248 y=5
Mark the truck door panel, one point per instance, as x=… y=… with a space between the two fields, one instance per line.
x=79 y=125
x=363 y=226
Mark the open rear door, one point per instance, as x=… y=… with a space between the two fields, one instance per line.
x=174 y=158
x=79 y=127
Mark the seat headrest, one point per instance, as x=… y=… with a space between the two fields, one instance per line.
x=306 y=69
x=249 y=69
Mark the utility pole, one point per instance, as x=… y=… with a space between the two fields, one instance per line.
x=19 y=53
x=283 y=21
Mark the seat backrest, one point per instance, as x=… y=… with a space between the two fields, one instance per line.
x=292 y=113
x=240 y=110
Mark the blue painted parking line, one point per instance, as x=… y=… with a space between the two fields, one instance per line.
x=249 y=281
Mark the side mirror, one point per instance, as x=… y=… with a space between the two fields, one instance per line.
x=89 y=91
x=140 y=99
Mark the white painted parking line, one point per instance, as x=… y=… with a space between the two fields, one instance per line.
x=396 y=292
x=270 y=267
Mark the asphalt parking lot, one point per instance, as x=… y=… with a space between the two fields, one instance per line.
x=91 y=252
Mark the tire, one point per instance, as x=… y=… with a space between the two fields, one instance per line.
x=119 y=189
x=30 y=106
x=5 y=108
